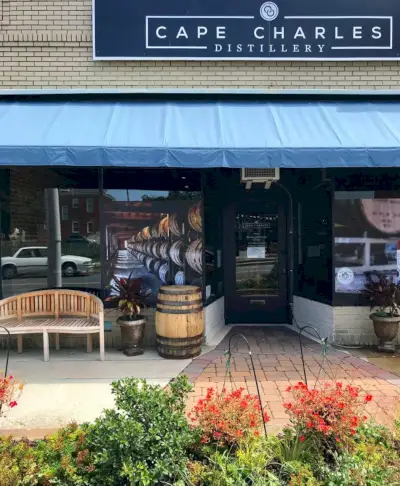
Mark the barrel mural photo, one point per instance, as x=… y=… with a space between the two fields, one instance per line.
x=367 y=236
x=159 y=241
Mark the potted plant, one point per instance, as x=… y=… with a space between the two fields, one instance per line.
x=384 y=296
x=131 y=299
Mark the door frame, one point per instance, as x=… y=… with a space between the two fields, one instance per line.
x=279 y=312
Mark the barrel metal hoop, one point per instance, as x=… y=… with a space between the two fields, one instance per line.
x=179 y=292
x=180 y=340
x=182 y=349
x=179 y=304
x=196 y=310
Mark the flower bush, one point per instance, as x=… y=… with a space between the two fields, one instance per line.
x=147 y=441
x=228 y=418
x=10 y=391
x=333 y=411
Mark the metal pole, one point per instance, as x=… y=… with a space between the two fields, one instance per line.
x=54 y=276
x=291 y=249
x=105 y=253
x=1 y=248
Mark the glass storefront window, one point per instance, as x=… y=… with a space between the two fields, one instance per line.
x=27 y=234
x=156 y=236
x=367 y=232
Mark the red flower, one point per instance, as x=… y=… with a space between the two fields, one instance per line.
x=302 y=438
x=204 y=440
x=217 y=435
x=266 y=417
x=256 y=433
x=289 y=388
x=13 y=404
x=288 y=405
x=368 y=398
x=309 y=425
x=243 y=404
x=239 y=433
x=354 y=421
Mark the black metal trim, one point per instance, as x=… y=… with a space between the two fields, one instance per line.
x=179 y=304
x=196 y=310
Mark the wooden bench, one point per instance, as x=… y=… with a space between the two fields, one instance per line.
x=53 y=312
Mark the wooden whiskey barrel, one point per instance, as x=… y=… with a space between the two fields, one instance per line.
x=179 y=321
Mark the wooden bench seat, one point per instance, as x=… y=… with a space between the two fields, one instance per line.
x=53 y=312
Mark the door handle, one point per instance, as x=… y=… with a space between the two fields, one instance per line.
x=257 y=302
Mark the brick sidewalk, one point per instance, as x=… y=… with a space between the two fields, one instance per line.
x=278 y=364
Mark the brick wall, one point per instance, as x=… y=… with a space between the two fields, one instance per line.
x=27 y=206
x=80 y=213
x=353 y=326
x=47 y=44
x=341 y=325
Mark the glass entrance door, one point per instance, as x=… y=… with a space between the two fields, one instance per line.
x=256 y=290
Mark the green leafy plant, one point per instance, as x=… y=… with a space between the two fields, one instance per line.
x=145 y=440
x=300 y=474
x=292 y=447
x=18 y=465
x=225 y=468
x=351 y=469
x=130 y=296
x=382 y=292
x=63 y=458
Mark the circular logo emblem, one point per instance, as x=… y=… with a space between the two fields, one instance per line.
x=345 y=276
x=269 y=11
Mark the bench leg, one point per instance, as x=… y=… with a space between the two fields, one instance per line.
x=101 y=342
x=57 y=342
x=46 y=351
x=19 y=343
x=89 y=342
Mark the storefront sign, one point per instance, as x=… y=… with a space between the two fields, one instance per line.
x=246 y=30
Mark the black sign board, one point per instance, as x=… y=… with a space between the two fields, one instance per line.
x=246 y=29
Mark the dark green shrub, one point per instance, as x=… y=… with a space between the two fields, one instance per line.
x=145 y=440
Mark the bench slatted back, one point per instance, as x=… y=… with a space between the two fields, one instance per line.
x=52 y=303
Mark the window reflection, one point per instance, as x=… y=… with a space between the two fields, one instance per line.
x=257 y=255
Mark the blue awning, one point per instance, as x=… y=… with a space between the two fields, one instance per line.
x=200 y=134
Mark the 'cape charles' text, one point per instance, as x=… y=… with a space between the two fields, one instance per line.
x=299 y=34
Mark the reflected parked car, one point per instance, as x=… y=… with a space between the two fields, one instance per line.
x=32 y=261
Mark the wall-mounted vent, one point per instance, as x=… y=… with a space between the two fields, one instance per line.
x=259 y=176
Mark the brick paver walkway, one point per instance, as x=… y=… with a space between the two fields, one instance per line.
x=278 y=364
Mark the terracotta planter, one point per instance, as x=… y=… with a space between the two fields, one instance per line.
x=386 y=329
x=132 y=334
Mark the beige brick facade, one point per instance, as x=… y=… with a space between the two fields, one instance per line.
x=48 y=44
